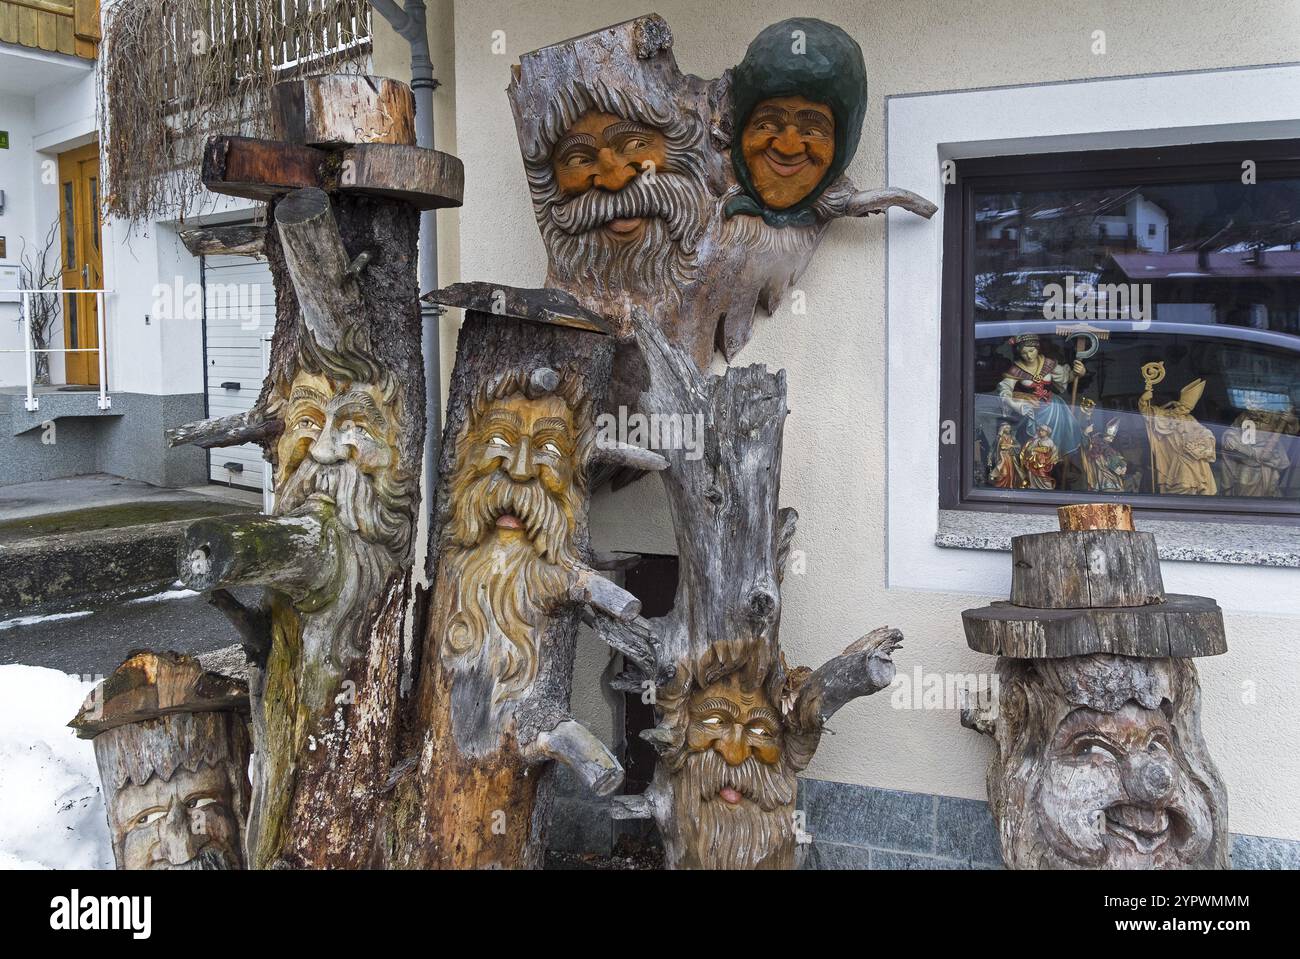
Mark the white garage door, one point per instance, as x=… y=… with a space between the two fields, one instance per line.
x=239 y=308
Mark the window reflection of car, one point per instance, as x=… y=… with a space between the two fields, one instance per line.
x=1245 y=370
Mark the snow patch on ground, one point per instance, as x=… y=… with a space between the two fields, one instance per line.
x=165 y=596
x=47 y=618
x=51 y=808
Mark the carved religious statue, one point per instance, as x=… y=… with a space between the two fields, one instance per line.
x=1038 y=457
x=1182 y=450
x=1032 y=389
x=1255 y=454
x=1104 y=468
x=172 y=745
x=1099 y=760
x=1004 y=469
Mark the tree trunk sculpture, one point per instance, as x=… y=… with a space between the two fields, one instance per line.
x=171 y=742
x=1100 y=762
x=342 y=418
x=736 y=724
x=677 y=206
x=511 y=573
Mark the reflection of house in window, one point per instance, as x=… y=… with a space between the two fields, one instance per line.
x=1242 y=287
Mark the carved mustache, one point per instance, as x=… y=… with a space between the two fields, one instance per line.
x=668 y=196
x=495 y=495
x=767 y=786
x=374 y=513
x=211 y=857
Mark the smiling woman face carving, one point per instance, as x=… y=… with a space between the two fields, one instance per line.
x=788 y=142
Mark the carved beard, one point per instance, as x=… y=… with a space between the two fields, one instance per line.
x=496 y=593
x=726 y=836
x=581 y=255
x=376 y=507
x=210 y=857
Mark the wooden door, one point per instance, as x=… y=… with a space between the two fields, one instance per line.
x=83 y=260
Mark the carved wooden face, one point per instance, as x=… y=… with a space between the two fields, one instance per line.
x=186 y=823
x=334 y=423
x=788 y=144
x=518 y=442
x=1114 y=793
x=515 y=499
x=735 y=723
x=605 y=152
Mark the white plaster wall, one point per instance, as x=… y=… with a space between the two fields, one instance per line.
x=17 y=115
x=835 y=439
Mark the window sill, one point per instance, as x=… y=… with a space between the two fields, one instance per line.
x=1238 y=544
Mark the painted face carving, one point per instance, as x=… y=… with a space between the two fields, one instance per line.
x=734 y=778
x=518 y=472
x=601 y=151
x=788 y=143
x=516 y=492
x=737 y=725
x=185 y=823
x=1113 y=794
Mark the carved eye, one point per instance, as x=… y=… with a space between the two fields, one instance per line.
x=152 y=816
x=1093 y=747
x=498 y=440
x=636 y=143
x=757 y=731
x=201 y=802
x=307 y=423
x=551 y=448
x=711 y=721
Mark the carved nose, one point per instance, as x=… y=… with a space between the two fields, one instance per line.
x=614 y=173
x=1149 y=778
x=327 y=448
x=521 y=466
x=732 y=747
x=788 y=143
x=176 y=839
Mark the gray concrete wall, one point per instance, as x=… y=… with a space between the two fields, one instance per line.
x=126 y=440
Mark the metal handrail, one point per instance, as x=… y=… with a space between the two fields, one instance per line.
x=31 y=404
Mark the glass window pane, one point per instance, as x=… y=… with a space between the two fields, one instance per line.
x=1140 y=339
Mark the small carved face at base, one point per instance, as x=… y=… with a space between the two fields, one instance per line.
x=184 y=823
x=339 y=450
x=603 y=152
x=788 y=143
x=1114 y=796
x=743 y=729
x=732 y=784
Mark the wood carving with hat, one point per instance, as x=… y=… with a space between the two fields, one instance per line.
x=798 y=100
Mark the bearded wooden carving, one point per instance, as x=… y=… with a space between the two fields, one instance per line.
x=1100 y=762
x=695 y=200
x=171 y=742
x=511 y=570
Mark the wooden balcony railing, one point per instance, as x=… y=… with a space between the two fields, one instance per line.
x=59 y=26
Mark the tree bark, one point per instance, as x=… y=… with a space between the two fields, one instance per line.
x=491 y=717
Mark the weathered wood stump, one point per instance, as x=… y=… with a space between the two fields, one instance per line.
x=341 y=417
x=736 y=724
x=1100 y=762
x=171 y=742
x=510 y=573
